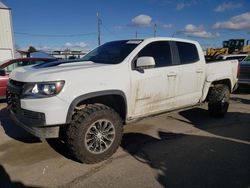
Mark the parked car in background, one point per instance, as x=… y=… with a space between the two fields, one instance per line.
x=239 y=57
x=245 y=71
x=8 y=66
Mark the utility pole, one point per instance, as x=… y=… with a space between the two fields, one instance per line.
x=99 y=22
x=136 y=34
x=154 y=30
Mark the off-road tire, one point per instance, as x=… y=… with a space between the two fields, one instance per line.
x=218 y=101
x=77 y=131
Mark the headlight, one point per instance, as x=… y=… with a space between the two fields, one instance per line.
x=42 y=89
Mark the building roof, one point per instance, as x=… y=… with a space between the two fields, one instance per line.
x=3 y=6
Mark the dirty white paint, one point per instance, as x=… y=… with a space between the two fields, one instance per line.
x=147 y=92
x=154 y=90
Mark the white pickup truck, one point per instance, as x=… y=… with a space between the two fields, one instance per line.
x=90 y=99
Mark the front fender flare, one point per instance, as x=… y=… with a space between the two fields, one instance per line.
x=81 y=98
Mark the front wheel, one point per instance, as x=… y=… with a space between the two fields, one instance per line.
x=94 y=134
x=218 y=101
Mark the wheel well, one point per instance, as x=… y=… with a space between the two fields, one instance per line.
x=117 y=102
x=226 y=82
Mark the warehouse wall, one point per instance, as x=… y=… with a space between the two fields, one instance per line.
x=6 y=35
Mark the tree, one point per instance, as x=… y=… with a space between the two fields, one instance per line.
x=32 y=49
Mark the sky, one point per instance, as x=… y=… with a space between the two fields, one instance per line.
x=59 y=24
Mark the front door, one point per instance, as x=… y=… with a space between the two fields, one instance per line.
x=153 y=89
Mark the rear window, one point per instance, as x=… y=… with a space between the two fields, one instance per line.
x=187 y=52
x=239 y=58
x=219 y=57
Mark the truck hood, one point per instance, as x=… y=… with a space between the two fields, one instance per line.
x=58 y=70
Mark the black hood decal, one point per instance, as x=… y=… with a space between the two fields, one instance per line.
x=55 y=63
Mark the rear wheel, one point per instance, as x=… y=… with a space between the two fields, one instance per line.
x=94 y=134
x=219 y=98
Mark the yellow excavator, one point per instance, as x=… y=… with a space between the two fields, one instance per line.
x=231 y=46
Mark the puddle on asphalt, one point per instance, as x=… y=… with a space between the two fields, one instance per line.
x=16 y=153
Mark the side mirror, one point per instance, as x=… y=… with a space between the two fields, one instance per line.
x=144 y=62
x=2 y=72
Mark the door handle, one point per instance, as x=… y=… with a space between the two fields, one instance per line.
x=199 y=71
x=172 y=74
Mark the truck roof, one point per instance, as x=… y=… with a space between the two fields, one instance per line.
x=170 y=39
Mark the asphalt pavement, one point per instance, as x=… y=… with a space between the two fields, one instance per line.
x=186 y=148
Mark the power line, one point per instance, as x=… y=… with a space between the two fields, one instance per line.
x=154 y=30
x=144 y=33
x=52 y=35
x=99 y=22
x=111 y=32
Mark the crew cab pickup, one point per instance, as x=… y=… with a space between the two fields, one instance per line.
x=86 y=102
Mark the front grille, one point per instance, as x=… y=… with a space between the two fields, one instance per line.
x=13 y=101
x=13 y=94
x=16 y=83
x=33 y=115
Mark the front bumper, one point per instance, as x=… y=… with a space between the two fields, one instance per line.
x=35 y=127
x=41 y=117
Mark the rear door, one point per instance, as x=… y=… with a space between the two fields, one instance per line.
x=191 y=74
x=154 y=89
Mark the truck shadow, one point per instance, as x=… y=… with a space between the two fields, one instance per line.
x=60 y=147
x=6 y=182
x=236 y=123
x=2 y=100
x=13 y=130
x=17 y=133
x=217 y=156
x=240 y=100
x=242 y=89
x=181 y=160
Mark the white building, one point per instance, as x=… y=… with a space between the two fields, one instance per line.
x=6 y=34
x=68 y=54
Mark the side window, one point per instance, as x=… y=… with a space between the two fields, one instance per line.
x=22 y=63
x=10 y=67
x=187 y=52
x=17 y=64
x=239 y=58
x=36 y=62
x=160 y=51
x=219 y=57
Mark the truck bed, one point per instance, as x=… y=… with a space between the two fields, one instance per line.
x=222 y=70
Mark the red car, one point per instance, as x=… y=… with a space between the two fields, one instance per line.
x=10 y=65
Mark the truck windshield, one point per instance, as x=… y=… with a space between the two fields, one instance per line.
x=112 y=52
